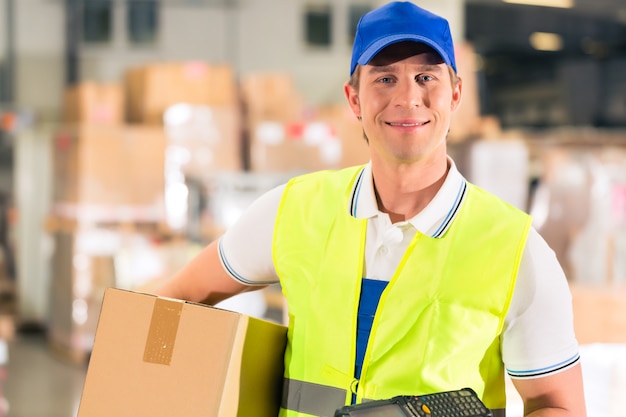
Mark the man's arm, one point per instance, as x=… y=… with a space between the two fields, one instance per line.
x=203 y=280
x=561 y=394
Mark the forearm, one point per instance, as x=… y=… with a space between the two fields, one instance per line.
x=202 y=280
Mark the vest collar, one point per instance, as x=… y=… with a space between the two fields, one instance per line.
x=433 y=220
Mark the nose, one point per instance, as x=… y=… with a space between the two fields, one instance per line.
x=410 y=94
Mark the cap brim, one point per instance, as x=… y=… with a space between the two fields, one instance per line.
x=381 y=44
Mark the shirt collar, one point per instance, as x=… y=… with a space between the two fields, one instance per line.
x=433 y=220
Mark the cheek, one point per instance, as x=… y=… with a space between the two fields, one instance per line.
x=443 y=100
x=373 y=102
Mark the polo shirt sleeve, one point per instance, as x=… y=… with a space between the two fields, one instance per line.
x=538 y=337
x=245 y=249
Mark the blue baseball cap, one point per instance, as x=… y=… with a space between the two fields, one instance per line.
x=396 y=22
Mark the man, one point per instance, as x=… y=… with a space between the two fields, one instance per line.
x=400 y=276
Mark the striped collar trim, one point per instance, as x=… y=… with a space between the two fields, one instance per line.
x=447 y=220
x=433 y=221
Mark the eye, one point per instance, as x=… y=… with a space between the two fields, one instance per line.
x=423 y=78
x=385 y=80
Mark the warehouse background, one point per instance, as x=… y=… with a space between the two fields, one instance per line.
x=74 y=40
x=132 y=132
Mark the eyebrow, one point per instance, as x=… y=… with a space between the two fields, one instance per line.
x=377 y=69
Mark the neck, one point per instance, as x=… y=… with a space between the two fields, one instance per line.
x=404 y=191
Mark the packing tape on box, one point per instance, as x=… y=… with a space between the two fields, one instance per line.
x=162 y=332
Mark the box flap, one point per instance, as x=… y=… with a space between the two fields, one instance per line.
x=253 y=386
x=262 y=367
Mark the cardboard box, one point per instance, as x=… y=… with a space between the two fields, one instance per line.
x=152 y=88
x=331 y=139
x=271 y=96
x=466 y=118
x=110 y=165
x=354 y=148
x=157 y=357
x=599 y=313
x=81 y=273
x=203 y=140
x=294 y=147
x=95 y=103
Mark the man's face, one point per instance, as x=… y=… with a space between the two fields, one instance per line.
x=405 y=98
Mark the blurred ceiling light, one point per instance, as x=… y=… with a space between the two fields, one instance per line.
x=565 y=4
x=543 y=41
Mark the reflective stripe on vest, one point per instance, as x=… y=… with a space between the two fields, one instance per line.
x=310 y=398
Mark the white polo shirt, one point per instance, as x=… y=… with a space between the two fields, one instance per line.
x=538 y=337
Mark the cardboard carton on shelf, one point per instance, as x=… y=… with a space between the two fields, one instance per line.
x=94 y=102
x=109 y=165
x=349 y=131
x=160 y=357
x=466 y=119
x=152 y=88
x=80 y=280
x=271 y=96
x=599 y=313
x=293 y=147
x=202 y=139
x=331 y=139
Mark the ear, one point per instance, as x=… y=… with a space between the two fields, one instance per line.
x=456 y=95
x=352 y=96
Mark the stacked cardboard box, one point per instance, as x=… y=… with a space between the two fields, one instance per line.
x=94 y=103
x=331 y=139
x=299 y=146
x=286 y=135
x=466 y=119
x=109 y=166
x=599 y=313
x=152 y=88
x=103 y=175
x=202 y=140
x=349 y=131
x=271 y=96
x=113 y=161
x=270 y=103
x=81 y=273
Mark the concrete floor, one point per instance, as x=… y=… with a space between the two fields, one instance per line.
x=40 y=384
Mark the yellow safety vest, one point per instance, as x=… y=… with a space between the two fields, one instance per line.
x=438 y=323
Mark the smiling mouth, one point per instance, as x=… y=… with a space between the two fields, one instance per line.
x=406 y=124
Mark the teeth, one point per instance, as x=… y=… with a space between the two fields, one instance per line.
x=406 y=124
